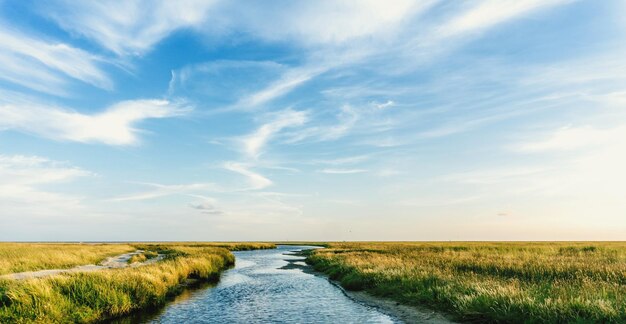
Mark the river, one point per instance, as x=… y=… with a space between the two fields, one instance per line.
x=267 y=286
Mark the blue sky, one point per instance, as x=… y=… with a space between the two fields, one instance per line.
x=319 y=120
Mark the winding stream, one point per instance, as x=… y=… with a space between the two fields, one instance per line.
x=267 y=286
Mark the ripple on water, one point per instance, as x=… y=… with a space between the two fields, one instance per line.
x=244 y=263
x=258 y=291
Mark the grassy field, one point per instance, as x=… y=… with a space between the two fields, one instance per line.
x=492 y=282
x=19 y=257
x=95 y=296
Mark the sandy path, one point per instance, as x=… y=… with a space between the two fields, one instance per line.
x=115 y=262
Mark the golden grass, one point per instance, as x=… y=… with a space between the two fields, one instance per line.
x=20 y=257
x=96 y=296
x=497 y=282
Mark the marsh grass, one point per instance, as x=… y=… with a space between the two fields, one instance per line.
x=495 y=282
x=142 y=257
x=20 y=257
x=95 y=296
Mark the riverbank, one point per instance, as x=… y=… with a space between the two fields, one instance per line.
x=406 y=314
x=87 y=297
x=548 y=282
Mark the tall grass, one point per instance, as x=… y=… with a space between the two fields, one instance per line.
x=495 y=282
x=96 y=296
x=19 y=257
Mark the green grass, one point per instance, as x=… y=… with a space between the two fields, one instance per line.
x=535 y=282
x=99 y=295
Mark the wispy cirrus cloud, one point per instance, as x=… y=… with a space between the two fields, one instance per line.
x=114 y=126
x=344 y=160
x=255 y=180
x=146 y=23
x=241 y=85
x=254 y=143
x=346 y=119
x=286 y=83
x=46 y=65
x=326 y=22
x=456 y=97
x=22 y=178
x=143 y=24
x=480 y=15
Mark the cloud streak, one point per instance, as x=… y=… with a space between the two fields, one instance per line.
x=142 y=25
x=114 y=126
x=44 y=65
x=489 y=13
x=254 y=143
x=21 y=178
x=255 y=180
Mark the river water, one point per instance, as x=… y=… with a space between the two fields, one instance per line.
x=268 y=286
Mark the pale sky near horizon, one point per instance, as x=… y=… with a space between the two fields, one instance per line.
x=313 y=120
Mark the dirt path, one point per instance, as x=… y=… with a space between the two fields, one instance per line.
x=115 y=262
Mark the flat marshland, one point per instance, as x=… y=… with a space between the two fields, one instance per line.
x=530 y=282
x=94 y=296
x=19 y=257
x=512 y=282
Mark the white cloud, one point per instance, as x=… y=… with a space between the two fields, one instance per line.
x=224 y=78
x=43 y=65
x=384 y=105
x=287 y=82
x=256 y=180
x=145 y=23
x=254 y=143
x=326 y=22
x=451 y=26
x=485 y=14
x=347 y=119
x=114 y=126
x=241 y=85
x=21 y=179
x=344 y=160
x=129 y=27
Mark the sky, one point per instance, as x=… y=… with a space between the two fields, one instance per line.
x=312 y=120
